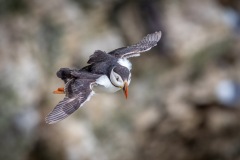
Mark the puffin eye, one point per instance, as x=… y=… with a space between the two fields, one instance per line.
x=117 y=78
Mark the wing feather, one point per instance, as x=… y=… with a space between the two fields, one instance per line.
x=78 y=92
x=144 y=45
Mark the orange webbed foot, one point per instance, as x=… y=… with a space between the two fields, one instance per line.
x=59 y=91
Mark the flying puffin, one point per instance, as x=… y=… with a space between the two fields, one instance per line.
x=106 y=72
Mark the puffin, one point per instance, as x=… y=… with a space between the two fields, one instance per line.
x=105 y=72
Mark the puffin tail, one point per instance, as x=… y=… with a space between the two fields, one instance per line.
x=65 y=74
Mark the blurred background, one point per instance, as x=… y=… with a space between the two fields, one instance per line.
x=184 y=99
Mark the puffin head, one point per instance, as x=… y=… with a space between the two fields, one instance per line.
x=120 y=76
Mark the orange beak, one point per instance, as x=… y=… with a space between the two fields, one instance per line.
x=125 y=89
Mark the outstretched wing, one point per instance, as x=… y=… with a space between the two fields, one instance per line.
x=142 y=46
x=78 y=91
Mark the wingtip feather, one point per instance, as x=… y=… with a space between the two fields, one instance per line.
x=159 y=34
x=58 y=114
x=54 y=117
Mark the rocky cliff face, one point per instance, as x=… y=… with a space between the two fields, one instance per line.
x=184 y=96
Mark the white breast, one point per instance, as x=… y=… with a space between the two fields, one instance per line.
x=125 y=62
x=104 y=85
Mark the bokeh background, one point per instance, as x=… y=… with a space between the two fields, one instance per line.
x=184 y=99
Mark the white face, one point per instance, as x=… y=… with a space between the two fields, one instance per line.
x=116 y=79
